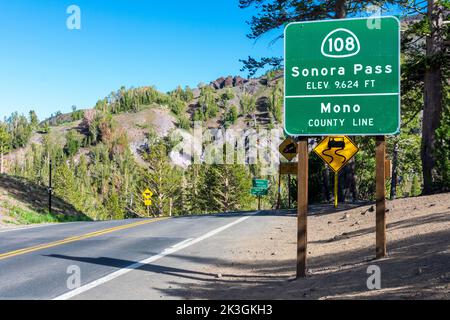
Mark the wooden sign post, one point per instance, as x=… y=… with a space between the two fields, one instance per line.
x=380 y=154
x=302 y=206
x=289 y=191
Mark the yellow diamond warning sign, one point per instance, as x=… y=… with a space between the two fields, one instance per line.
x=336 y=151
x=288 y=148
x=147 y=194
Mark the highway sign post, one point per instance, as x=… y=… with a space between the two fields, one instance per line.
x=50 y=187
x=287 y=168
x=342 y=77
x=288 y=148
x=302 y=206
x=380 y=214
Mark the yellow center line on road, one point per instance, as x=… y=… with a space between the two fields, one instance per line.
x=76 y=238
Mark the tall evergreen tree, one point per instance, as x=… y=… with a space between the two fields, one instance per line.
x=5 y=144
x=20 y=130
x=34 y=121
x=274 y=14
x=227 y=187
x=276 y=101
x=195 y=180
x=425 y=75
x=162 y=178
x=433 y=87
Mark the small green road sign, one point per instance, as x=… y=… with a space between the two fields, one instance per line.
x=342 y=77
x=256 y=191
x=261 y=183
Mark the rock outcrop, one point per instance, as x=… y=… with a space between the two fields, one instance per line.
x=228 y=82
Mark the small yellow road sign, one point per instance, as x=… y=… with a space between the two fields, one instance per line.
x=147 y=194
x=336 y=151
x=148 y=202
x=288 y=148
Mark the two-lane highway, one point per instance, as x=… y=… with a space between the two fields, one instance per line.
x=39 y=263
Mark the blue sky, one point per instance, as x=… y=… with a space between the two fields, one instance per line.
x=47 y=67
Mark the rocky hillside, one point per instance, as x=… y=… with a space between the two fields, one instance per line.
x=23 y=202
x=160 y=119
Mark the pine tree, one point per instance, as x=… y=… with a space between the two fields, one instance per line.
x=226 y=187
x=20 y=130
x=248 y=106
x=5 y=144
x=34 y=121
x=231 y=115
x=162 y=178
x=276 y=102
x=193 y=188
x=207 y=102
x=415 y=186
x=73 y=143
x=424 y=86
x=434 y=81
x=274 y=14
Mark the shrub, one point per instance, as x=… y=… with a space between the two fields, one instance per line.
x=73 y=143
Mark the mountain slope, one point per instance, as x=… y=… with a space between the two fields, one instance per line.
x=161 y=120
x=24 y=202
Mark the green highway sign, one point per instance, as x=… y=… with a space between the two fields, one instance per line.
x=342 y=77
x=256 y=191
x=261 y=183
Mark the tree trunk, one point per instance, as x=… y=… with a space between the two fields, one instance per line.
x=341 y=184
x=1 y=163
x=394 y=171
x=340 y=9
x=432 y=109
x=351 y=182
x=347 y=181
x=326 y=183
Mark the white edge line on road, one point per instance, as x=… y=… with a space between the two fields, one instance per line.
x=179 y=246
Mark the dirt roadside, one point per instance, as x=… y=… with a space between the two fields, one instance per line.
x=341 y=245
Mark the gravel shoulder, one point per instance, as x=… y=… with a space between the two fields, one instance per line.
x=341 y=245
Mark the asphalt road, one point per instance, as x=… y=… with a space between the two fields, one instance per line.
x=44 y=262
